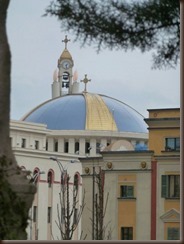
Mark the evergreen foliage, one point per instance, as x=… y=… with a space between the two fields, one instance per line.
x=13 y=213
x=118 y=24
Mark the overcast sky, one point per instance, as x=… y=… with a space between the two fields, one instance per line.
x=36 y=44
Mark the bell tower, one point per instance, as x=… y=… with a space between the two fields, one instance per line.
x=62 y=83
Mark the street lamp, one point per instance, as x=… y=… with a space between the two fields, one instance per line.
x=54 y=158
x=59 y=163
x=62 y=170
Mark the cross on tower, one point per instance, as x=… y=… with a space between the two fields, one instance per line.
x=85 y=81
x=66 y=40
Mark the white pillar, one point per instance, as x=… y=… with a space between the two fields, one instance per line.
x=50 y=144
x=71 y=143
x=55 y=89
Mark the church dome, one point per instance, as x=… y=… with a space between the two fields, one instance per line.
x=87 y=111
x=65 y=55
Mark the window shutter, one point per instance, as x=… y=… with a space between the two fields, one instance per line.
x=164 y=191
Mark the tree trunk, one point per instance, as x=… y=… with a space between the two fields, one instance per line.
x=16 y=194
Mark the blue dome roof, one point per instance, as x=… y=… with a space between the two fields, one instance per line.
x=87 y=111
x=141 y=147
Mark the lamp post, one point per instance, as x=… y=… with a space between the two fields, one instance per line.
x=59 y=163
x=62 y=170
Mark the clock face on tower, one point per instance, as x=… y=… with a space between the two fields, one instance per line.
x=66 y=65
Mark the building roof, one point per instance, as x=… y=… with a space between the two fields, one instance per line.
x=87 y=111
x=65 y=55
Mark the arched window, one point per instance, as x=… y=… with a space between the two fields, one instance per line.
x=50 y=178
x=36 y=176
x=65 y=81
x=76 y=182
x=64 y=177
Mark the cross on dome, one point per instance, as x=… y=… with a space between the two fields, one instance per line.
x=66 y=40
x=85 y=81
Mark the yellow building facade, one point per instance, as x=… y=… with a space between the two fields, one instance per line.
x=164 y=140
x=142 y=186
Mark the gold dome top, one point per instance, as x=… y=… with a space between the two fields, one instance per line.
x=65 y=55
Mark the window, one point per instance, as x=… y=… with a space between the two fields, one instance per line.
x=62 y=215
x=35 y=176
x=23 y=143
x=87 y=147
x=75 y=216
x=172 y=144
x=65 y=81
x=37 y=145
x=98 y=147
x=127 y=191
x=170 y=186
x=49 y=215
x=76 y=146
x=66 y=147
x=76 y=182
x=108 y=143
x=49 y=179
x=34 y=213
x=56 y=145
x=126 y=233
x=64 y=178
x=46 y=146
x=173 y=234
x=11 y=139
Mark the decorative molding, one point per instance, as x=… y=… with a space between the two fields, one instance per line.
x=143 y=165
x=87 y=170
x=172 y=215
x=109 y=165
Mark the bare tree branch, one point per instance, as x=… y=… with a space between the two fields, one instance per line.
x=68 y=211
